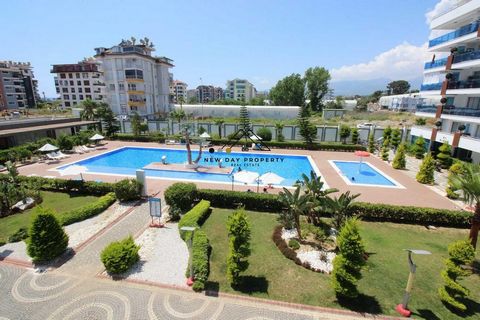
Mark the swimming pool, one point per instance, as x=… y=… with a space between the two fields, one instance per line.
x=363 y=174
x=126 y=160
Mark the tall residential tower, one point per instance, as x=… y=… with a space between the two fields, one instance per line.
x=18 y=88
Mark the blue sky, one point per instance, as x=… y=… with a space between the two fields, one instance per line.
x=261 y=40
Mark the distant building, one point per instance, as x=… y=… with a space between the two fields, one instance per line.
x=208 y=93
x=406 y=102
x=18 y=88
x=192 y=93
x=178 y=89
x=78 y=82
x=240 y=89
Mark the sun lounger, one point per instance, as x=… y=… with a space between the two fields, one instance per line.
x=87 y=149
x=79 y=150
x=170 y=142
x=61 y=155
x=52 y=156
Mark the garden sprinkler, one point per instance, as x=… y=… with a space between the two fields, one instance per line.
x=402 y=308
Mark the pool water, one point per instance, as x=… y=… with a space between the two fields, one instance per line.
x=126 y=160
x=362 y=173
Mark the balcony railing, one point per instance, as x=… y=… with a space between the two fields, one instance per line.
x=436 y=63
x=427 y=108
x=469 y=28
x=453 y=7
x=467 y=112
x=431 y=86
x=467 y=56
x=468 y=84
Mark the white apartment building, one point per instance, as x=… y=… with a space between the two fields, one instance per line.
x=77 y=82
x=240 y=89
x=178 y=89
x=454 y=74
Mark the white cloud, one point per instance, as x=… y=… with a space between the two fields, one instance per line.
x=439 y=8
x=404 y=61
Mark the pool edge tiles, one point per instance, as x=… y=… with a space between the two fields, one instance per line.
x=396 y=184
x=308 y=158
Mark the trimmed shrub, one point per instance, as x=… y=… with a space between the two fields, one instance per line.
x=458 y=168
x=181 y=195
x=348 y=264
x=355 y=135
x=418 y=148
x=265 y=134
x=420 y=121
x=452 y=292
x=119 y=256
x=292 y=243
x=128 y=189
x=144 y=138
x=248 y=200
x=344 y=133
x=284 y=248
x=194 y=218
x=395 y=138
x=88 y=211
x=200 y=259
x=444 y=157
x=239 y=235
x=371 y=143
x=385 y=150
x=387 y=133
x=427 y=169
x=47 y=240
x=399 y=161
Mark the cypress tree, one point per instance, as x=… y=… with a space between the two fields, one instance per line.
x=385 y=150
x=399 y=161
x=419 y=147
x=444 y=156
x=355 y=135
x=371 y=143
x=239 y=245
x=395 y=139
x=307 y=130
x=426 y=173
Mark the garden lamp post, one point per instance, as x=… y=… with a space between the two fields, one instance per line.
x=191 y=278
x=402 y=308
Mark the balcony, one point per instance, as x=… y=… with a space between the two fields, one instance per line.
x=139 y=92
x=132 y=103
x=436 y=63
x=467 y=56
x=98 y=83
x=469 y=28
x=468 y=84
x=426 y=108
x=465 y=112
x=431 y=86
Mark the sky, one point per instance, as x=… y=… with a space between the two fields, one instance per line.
x=260 y=40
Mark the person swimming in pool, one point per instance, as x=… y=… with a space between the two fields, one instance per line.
x=353 y=178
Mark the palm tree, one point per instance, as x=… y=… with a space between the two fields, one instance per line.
x=181 y=100
x=469 y=184
x=295 y=205
x=219 y=123
x=313 y=187
x=339 y=208
x=89 y=110
x=278 y=130
x=178 y=115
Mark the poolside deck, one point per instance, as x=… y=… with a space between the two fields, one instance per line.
x=414 y=193
x=181 y=167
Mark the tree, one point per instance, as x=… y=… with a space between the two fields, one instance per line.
x=307 y=130
x=355 y=136
x=89 y=110
x=419 y=148
x=348 y=264
x=239 y=235
x=136 y=124
x=47 y=240
x=290 y=91
x=398 y=87
x=313 y=187
x=426 y=173
x=65 y=142
x=256 y=101
x=458 y=168
x=10 y=189
x=452 y=293
x=371 y=143
x=244 y=119
x=279 y=131
x=219 y=123
x=192 y=100
x=108 y=117
x=316 y=84
x=387 y=133
x=395 y=138
x=265 y=134
x=385 y=150
x=294 y=205
x=338 y=207
x=399 y=161
x=444 y=157
x=344 y=133
x=469 y=184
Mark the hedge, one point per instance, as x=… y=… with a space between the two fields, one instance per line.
x=88 y=210
x=194 y=218
x=140 y=138
x=200 y=256
x=325 y=146
x=249 y=200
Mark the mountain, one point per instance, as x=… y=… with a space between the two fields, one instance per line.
x=366 y=87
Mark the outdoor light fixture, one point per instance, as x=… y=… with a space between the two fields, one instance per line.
x=402 y=308
x=190 y=279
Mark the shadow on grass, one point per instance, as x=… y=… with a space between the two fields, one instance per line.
x=476 y=267
x=363 y=304
x=426 y=314
x=212 y=288
x=473 y=308
x=251 y=284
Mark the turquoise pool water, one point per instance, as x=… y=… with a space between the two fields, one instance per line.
x=362 y=173
x=125 y=161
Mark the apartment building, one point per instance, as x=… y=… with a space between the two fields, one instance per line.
x=77 y=82
x=178 y=89
x=454 y=74
x=18 y=87
x=209 y=93
x=240 y=89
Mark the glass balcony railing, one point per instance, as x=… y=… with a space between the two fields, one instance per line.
x=467 y=56
x=431 y=86
x=436 y=63
x=469 y=28
x=468 y=84
x=427 y=108
x=457 y=111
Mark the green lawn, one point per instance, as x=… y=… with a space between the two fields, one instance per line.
x=60 y=202
x=273 y=276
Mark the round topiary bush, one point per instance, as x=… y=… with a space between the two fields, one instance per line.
x=181 y=195
x=127 y=189
x=47 y=240
x=119 y=256
x=292 y=243
x=265 y=134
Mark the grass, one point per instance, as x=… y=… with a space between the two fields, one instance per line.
x=60 y=202
x=273 y=276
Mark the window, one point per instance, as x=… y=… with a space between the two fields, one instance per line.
x=70 y=75
x=89 y=96
x=67 y=104
x=74 y=97
x=86 y=83
x=134 y=74
x=63 y=76
x=132 y=87
x=80 y=96
x=65 y=90
x=77 y=75
x=66 y=97
x=87 y=90
x=72 y=83
x=84 y=75
x=121 y=87
x=473 y=103
x=80 y=90
x=79 y=83
x=111 y=86
x=72 y=90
